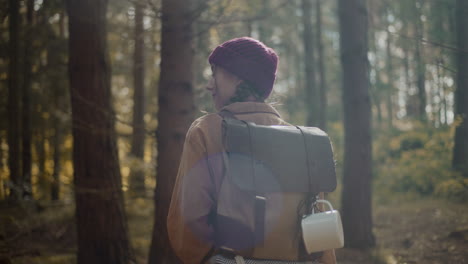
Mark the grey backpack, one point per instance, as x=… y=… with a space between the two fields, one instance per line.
x=263 y=165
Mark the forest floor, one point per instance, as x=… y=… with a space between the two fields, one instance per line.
x=421 y=231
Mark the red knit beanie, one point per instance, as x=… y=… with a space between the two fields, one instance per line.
x=250 y=60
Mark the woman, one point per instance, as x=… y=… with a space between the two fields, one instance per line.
x=244 y=71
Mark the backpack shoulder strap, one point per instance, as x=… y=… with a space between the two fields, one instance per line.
x=260 y=200
x=226 y=114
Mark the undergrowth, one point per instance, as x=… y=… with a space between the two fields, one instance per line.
x=417 y=162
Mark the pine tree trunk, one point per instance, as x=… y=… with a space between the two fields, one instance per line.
x=14 y=154
x=41 y=160
x=57 y=142
x=390 y=89
x=26 y=113
x=56 y=62
x=102 y=233
x=202 y=46
x=176 y=112
x=420 y=66
x=2 y=170
x=444 y=103
x=460 y=150
x=137 y=174
x=264 y=30
x=356 y=196
x=410 y=111
x=323 y=81
x=311 y=99
x=2 y=164
x=375 y=89
x=440 y=94
x=248 y=27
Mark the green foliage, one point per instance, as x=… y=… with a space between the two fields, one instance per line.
x=419 y=162
x=454 y=189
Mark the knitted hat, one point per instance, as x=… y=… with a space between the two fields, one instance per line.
x=250 y=60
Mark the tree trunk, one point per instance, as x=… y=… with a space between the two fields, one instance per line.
x=2 y=164
x=356 y=197
x=444 y=103
x=420 y=66
x=2 y=170
x=14 y=155
x=249 y=27
x=26 y=113
x=460 y=150
x=390 y=89
x=202 y=46
x=264 y=30
x=375 y=89
x=439 y=92
x=43 y=181
x=100 y=214
x=56 y=62
x=323 y=81
x=176 y=112
x=57 y=142
x=137 y=174
x=311 y=98
x=410 y=108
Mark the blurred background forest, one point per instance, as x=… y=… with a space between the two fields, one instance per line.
x=417 y=84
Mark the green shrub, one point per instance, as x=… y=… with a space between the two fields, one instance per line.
x=417 y=161
x=453 y=189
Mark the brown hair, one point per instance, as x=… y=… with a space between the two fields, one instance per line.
x=243 y=91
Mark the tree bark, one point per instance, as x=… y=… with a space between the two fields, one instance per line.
x=137 y=174
x=264 y=30
x=460 y=150
x=43 y=181
x=26 y=111
x=411 y=100
x=2 y=169
x=202 y=46
x=176 y=112
x=323 y=81
x=375 y=89
x=100 y=214
x=57 y=142
x=55 y=63
x=390 y=89
x=311 y=98
x=14 y=154
x=356 y=197
x=410 y=108
x=420 y=66
x=443 y=95
x=2 y=164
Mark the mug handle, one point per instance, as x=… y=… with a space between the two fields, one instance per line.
x=326 y=202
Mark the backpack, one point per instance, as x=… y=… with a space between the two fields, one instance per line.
x=272 y=176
